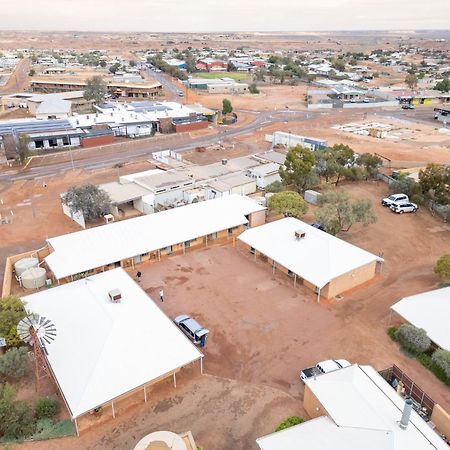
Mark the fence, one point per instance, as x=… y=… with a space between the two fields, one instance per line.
x=412 y=390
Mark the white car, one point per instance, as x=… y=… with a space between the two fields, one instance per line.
x=395 y=198
x=330 y=365
x=401 y=208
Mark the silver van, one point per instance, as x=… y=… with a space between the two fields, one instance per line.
x=192 y=329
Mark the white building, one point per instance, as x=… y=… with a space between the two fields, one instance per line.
x=354 y=409
x=430 y=311
x=322 y=262
x=291 y=140
x=134 y=239
x=265 y=174
x=104 y=349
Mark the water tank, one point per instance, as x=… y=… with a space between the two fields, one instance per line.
x=33 y=278
x=24 y=264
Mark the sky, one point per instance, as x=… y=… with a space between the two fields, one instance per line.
x=225 y=15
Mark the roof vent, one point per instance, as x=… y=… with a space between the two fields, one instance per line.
x=406 y=414
x=115 y=295
x=300 y=234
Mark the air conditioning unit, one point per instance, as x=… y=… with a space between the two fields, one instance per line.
x=115 y=295
x=300 y=234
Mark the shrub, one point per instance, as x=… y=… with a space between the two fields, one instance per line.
x=15 y=363
x=442 y=267
x=17 y=419
x=391 y=332
x=46 y=408
x=441 y=359
x=276 y=186
x=289 y=422
x=413 y=339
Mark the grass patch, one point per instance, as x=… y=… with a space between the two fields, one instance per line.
x=47 y=429
x=237 y=76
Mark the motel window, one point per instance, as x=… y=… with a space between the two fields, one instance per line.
x=252 y=250
x=231 y=230
x=187 y=244
x=290 y=273
x=168 y=249
x=213 y=236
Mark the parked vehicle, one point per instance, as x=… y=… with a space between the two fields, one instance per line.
x=319 y=226
x=401 y=208
x=330 y=365
x=180 y=94
x=192 y=329
x=408 y=106
x=395 y=198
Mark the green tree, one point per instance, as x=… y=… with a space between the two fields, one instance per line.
x=23 y=148
x=253 y=89
x=369 y=162
x=442 y=267
x=332 y=162
x=96 y=89
x=338 y=64
x=412 y=338
x=337 y=212
x=15 y=363
x=274 y=187
x=297 y=168
x=411 y=80
x=31 y=73
x=227 y=108
x=11 y=313
x=102 y=63
x=443 y=85
x=92 y=201
x=114 y=68
x=434 y=181
x=16 y=418
x=289 y=203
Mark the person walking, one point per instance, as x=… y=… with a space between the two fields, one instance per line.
x=138 y=276
x=161 y=295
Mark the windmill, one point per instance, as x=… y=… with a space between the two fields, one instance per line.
x=37 y=331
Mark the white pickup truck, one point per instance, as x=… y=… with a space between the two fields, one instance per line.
x=330 y=365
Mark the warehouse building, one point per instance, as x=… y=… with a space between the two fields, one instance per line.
x=354 y=408
x=217 y=86
x=430 y=311
x=150 y=237
x=112 y=342
x=289 y=140
x=323 y=263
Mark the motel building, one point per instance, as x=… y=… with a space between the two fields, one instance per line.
x=321 y=262
x=112 y=344
x=151 y=237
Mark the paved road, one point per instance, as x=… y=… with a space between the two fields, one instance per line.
x=129 y=151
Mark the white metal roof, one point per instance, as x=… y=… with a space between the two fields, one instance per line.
x=430 y=311
x=95 y=247
x=358 y=397
x=323 y=434
x=103 y=349
x=54 y=106
x=318 y=258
